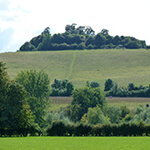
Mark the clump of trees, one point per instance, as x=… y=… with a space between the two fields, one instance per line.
x=112 y=89
x=16 y=116
x=62 y=88
x=83 y=98
x=82 y=37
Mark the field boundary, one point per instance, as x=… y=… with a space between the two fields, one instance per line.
x=67 y=100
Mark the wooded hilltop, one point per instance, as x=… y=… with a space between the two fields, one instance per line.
x=80 y=38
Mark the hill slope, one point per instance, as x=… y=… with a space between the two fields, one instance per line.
x=123 y=66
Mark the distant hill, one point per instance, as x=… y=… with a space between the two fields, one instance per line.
x=123 y=66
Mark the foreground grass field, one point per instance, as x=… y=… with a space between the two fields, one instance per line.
x=75 y=143
x=123 y=66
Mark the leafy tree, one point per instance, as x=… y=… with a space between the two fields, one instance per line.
x=71 y=28
x=83 y=30
x=12 y=102
x=46 y=31
x=132 y=45
x=95 y=115
x=35 y=83
x=88 y=97
x=37 y=86
x=125 y=40
x=124 y=111
x=94 y=84
x=74 y=112
x=27 y=47
x=27 y=118
x=70 y=88
x=109 y=39
x=58 y=38
x=112 y=112
x=81 y=46
x=90 y=41
x=131 y=86
x=89 y=31
x=114 y=90
x=36 y=40
x=80 y=30
x=123 y=92
x=3 y=85
x=108 y=84
x=3 y=93
x=116 y=40
x=141 y=114
x=57 y=116
x=62 y=88
x=104 y=32
x=78 y=39
x=100 y=40
x=37 y=107
x=45 y=44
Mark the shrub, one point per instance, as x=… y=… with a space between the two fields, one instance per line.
x=108 y=84
x=58 y=128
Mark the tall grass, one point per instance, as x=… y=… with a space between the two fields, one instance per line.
x=123 y=66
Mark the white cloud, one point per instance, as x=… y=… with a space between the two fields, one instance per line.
x=27 y=19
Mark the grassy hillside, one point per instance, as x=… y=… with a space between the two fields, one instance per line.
x=123 y=66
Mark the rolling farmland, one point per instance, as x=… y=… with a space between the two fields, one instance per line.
x=123 y=66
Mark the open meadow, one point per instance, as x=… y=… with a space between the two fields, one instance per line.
x=123 y=66
x=75 y=143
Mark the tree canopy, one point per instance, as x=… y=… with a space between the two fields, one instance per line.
x=81 y=37
x=62 y=88
x=12 y=103
x=84 y=98
x=37 y=86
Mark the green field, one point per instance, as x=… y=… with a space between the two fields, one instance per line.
x=123 y=66
x=131 y=103
x=75 y=143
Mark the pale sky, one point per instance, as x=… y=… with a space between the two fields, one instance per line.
x=21 y=20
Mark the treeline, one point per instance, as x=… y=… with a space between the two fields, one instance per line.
x=62 y=88
x=79 y=38
x=112 y=89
